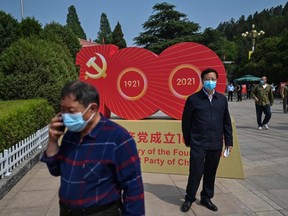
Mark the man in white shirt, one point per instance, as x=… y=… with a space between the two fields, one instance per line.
x=230 y=89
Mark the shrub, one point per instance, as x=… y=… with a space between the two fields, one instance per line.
x=21 y=118
x=33 y=68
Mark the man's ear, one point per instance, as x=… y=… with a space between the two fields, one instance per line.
x=94 y=107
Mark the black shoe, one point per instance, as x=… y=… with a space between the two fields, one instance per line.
x=208 y=204
x=186 y=206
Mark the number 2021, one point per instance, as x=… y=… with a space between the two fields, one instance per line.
x=185 y=81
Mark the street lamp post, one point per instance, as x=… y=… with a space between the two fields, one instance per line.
x=22 y=9
x=253 y=34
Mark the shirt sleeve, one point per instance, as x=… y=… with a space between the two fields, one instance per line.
x=271 y=96
x=52 y=163
x=129 y=176
x=254 y=91
x=228 y=131
x=186 y=121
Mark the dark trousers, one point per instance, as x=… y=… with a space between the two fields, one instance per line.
x=230 y=95
x=107 y=210
x=202 y=163
x=248 y=94
x=267 y=111
x=239 y=96
x=285 y=108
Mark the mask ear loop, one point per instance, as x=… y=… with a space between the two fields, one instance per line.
x=86 y=109
x=91 y=117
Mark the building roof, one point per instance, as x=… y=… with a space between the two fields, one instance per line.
x=85 y=43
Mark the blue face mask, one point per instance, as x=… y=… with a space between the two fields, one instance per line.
x=262 y=82
x=209 y=85
x=75 y=122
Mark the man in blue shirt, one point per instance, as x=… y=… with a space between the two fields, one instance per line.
x=97 y=159
x=205 y=122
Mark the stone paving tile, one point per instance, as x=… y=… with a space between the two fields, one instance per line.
x=31 y=199
x=180 y=182
x=261 y=171
x=42 y=173
x=281 y=170
x=253 y=201
x=270 y=213
x=8 y=198
x=39 y=211
x=53 y=208
x=221 y=186
x=262 y=163
x=281 y=160
x=157 y=178
x=279 y=196
x=42 y=184
x=284 y=211
x=23 y=181
x=262 y=195
x=273 y=182
x=241 y=205
x=260 y=157
x=233 y=185
x=162 y=190
x=249 y=151
x=274 y=151
x=225 y=207
x=164 y=206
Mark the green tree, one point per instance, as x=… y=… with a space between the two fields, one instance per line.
x=165 y=28
x=9 y=30
x=118 y=37
x=74 y=24
x=62 y=35
x=104 y=36
x=29 y=27
x=33 y=68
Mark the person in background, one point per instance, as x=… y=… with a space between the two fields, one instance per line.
x=230 y=90
x=284 y=95
x=97 y=160
x=239 y=92
x=263 y=96
x=205 y=122
x=273 y=89
x=249 y=89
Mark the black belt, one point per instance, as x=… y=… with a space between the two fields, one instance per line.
x=65 y=210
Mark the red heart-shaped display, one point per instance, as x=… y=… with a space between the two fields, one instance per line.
x=134 y=83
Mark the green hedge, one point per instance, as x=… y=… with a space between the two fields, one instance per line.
x=21 y=118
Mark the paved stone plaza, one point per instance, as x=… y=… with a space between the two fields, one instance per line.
x=263 y=192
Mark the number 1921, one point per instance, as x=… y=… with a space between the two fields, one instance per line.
x=132 y=84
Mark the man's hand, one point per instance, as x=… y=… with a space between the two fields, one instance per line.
x=227 y=151
x=55 y=131
x=230 y=148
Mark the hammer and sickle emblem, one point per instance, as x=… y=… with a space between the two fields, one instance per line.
x=101 y=72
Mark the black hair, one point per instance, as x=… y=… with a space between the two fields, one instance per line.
x=84 y=92
x=208 y=70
